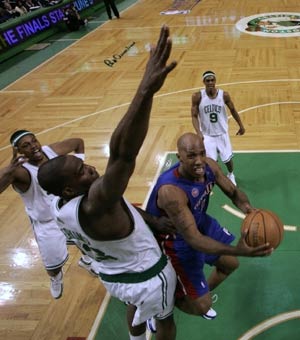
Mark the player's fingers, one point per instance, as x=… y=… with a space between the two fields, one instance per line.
x=171 y=66
x=162 y=41
x=15 y=151
x=264 y=249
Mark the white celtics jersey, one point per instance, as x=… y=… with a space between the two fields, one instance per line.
x=213 y=116
x=135 y=253
x=37 y=202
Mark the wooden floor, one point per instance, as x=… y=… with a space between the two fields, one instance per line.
x=77 y=94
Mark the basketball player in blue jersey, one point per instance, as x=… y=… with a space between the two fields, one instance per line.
x=210 y=120
x=21 y=174
x=182 y=193
x=93 y=213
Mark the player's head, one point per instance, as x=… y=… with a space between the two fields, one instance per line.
x=191 y=155
x=209 y=78
x=66 y=176
x=27 y=144
x=17 y=136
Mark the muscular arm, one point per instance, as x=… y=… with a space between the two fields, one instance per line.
x=234 y=113
x=68 y=145
x=196 y=98
x=238 y=197
x=175 y=203
x=130 y=133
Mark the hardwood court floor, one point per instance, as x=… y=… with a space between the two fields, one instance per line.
x=77 y=94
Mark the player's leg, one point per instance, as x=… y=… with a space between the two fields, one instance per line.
x=135 y=332
x=197 y=306
x=226 y=155
x=53 y=249
x=166 y=328
x=224 y=266
x=210 y=144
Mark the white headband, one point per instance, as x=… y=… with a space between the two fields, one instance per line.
x=17 y=138
x=209 y=74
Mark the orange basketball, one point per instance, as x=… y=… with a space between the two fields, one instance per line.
x=263 y=226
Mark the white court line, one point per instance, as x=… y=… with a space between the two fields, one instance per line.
x=269 y=323
x=126 y=104
x=99 y=317
x=242 y=216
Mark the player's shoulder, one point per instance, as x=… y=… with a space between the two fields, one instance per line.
x=225 y=94
x=196 y=96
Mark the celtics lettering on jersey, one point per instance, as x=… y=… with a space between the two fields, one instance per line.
x=212 y=114
x=212 y=110
x=84 y=245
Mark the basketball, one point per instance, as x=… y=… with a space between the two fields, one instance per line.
x=263 y=226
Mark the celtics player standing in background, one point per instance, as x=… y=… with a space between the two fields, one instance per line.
x=209 y=118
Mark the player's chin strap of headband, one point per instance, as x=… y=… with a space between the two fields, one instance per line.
x=209 y=75
x=18 y=137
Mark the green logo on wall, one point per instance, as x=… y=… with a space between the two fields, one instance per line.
x=271 y=24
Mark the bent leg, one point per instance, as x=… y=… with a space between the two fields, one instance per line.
x=198 y=306
x=224 y=266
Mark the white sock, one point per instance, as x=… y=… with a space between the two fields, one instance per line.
x=140 y=337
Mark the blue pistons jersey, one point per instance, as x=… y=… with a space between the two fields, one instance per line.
x=197 y=193
x=188 y=262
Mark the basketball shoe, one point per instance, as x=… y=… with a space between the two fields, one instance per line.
x=210 y=315
x=56 y=285
x=87 y=265
x=151 y=325
x=231 y=176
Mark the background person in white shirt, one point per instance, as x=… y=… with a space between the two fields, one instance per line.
x=210 y=120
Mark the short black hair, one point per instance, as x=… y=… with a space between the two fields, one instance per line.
x=51 y=177
x=16 y=136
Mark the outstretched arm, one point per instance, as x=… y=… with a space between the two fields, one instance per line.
x=234 y=113
x=130 y=133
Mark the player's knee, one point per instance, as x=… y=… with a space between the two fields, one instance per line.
x=227 y=264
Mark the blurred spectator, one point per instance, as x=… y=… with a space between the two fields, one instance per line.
x=73 y=19
x=110 y=5
x=20 y=8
